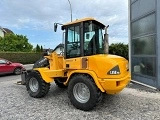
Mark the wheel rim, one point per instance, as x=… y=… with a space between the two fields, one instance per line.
x=18 y=71
x=81 y=92
x=33 y=84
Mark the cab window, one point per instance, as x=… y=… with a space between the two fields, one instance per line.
x=73 y=42
x=93 y=39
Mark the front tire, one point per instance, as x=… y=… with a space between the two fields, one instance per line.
x=36 y=86
x=17 y=71
x=83 y=92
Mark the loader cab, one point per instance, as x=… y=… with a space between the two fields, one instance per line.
x=83 y=38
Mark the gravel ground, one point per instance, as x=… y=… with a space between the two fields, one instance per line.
x=131 y=104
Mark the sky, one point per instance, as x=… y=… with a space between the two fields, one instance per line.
x=35 y=18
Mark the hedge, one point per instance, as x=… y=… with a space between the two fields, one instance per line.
x=24 y=58
x=120 y=49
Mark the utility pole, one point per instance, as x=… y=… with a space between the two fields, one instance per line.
x=70 y=9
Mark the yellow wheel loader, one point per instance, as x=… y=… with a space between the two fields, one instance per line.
x=85 y=67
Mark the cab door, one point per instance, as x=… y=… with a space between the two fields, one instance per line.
x=73 y=44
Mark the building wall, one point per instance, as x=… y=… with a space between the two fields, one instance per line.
x=158 y=43
x=143 y=41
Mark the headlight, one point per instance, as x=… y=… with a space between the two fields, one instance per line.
x=21 y=65
x=114 y=71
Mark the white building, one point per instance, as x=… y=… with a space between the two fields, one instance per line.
x=2 y=32
x=59 y=49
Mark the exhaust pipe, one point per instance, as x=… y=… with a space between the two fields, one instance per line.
x=106 y=43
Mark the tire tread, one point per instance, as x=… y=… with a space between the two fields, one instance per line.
x=88 y=106
x=44 y=86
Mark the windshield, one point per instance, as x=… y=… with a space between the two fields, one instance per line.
x=93 y=39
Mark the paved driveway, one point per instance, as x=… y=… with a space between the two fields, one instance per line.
x=133 y=103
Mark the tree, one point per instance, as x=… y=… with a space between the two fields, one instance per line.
x=15 y=43
x=41 y=48
x=38 y=49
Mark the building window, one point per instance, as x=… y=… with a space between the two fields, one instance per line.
x=144 y=46
x=144 y=66
x=144 y=25
x=133 y=1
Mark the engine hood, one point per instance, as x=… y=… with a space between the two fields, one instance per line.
x=17 y=64
x=102 y=64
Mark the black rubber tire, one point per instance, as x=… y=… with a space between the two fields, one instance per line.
x=17 y=71
x=59 y=84
x=43 y=87
x=95 y=93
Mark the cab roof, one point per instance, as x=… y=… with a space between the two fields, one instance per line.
x=83 y=20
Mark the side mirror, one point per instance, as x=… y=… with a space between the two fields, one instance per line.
x=8 y=63
x=55 y=27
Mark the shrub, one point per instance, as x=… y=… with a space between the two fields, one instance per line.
x=22 y=57
x=119 y=49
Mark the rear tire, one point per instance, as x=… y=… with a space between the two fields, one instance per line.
x=36 y=86
x=83 y=92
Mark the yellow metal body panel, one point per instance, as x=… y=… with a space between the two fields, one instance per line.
x=55 y=69
x=55 y=61
x=49 y=75
x=91 y=73
x=114 y=86
x=97 y=66
x=101 y=64
x=74 y=63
